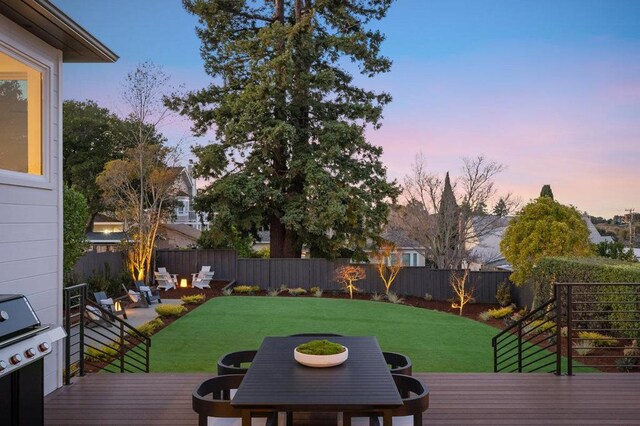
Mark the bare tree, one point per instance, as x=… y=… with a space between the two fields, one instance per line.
x=140 y=187
x=445 y=219
x=347 y=275
x=388 y=263
x=461 y=294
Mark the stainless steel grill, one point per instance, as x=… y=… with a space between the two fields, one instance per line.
x=24 y=342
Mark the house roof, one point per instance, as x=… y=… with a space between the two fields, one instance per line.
x=264 y=237
x=594 y=234
x=105 y=238
x=103 y=218
x=399 y=238
x=186 y=230
x=44 y=20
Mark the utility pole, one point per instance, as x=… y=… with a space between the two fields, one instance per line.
x=632 y=229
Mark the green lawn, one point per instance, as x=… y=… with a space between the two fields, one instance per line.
x=434 y=341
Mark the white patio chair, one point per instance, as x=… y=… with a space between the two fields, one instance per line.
x=202 y=279
x=202 y=270
x=165 y=280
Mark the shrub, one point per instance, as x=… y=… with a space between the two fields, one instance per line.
x=632 y=350
x=314 y=289
x=273 y=292
x=104 y=354
x=584 y=347
x=500 y=312
x=318 y=292
x=484 y=316
x=246 y=289
x=540 y=326
x=377 y=297
x=598 y=339
x=428 y=297
x=196 y=299
x=503 y=294
x=283 y=288
x=170 y=310
x=148 y=328
x=227 y=292
x=297 y=291
x=394 y=298
x=627 y=364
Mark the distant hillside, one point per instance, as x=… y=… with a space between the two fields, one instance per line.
x=619 y=233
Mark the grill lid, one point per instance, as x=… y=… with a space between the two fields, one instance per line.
x=16 y=316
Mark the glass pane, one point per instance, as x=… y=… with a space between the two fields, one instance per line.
x=406 y=259
x=20 y=117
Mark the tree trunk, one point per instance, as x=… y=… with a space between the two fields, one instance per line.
x=283 y=243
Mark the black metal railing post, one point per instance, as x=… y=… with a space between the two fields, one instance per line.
x=569 y=330
x=519 y=347
x=83 y=303
x=121 y=347
x=558 y=297
x=67 y=340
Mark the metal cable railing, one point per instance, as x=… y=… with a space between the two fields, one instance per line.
x=99 y=339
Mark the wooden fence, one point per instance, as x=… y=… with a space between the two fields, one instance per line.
x=307 y=273
x=92 y=263
x=186 y=262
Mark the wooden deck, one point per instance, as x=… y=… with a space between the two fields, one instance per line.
x=456 y=399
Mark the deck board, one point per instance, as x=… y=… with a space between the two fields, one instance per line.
x=455 y=399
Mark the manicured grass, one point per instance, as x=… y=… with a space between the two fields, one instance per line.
x=434 y=341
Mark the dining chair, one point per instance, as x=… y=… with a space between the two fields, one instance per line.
x=399 y=363
x=414 y=403
x=211 y=401
x=231 y=363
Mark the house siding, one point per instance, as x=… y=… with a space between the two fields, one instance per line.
x=31 y=213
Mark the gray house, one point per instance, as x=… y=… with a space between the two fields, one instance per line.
x=35 y=39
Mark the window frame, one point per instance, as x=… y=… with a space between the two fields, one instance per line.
x=38 y=62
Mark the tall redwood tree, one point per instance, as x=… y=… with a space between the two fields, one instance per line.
x=290 y=152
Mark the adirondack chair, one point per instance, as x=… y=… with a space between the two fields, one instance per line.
x=136 y=300
x=151 y=295
x=203 y=278
x=165 y=280
x=109 y=303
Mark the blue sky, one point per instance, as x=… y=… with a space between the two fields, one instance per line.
x=549 y=88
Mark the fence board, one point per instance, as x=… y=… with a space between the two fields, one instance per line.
x=186 y=262
x=92 y=263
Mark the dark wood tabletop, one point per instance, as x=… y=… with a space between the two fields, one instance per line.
x=276 y=380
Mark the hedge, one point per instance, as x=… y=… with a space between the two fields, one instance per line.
x=592 y=270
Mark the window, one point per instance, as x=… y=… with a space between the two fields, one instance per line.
x=415 y=259
x=20 y=117
x=406 y=259
x=183 y=207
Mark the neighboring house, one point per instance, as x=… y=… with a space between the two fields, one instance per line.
x=263 y=242
x=410 y=251
x=187 y=190
x=106 y=234
x=35 y=39
x=177 y=235
x=594 y=234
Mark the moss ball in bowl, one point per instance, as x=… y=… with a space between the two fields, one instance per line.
x=321 y=353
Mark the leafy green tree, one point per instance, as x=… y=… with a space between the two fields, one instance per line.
x=290 y=151
x=614 y=250
x=546 y=191
x=93 y=136
x=215 y=238
x=76 y=215
x=543 y=228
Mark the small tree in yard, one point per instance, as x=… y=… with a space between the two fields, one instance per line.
x=347 y=275
x=462 y=294
x=388 y=272
x=76 y=215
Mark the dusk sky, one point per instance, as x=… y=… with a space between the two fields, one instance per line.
x=549 y=88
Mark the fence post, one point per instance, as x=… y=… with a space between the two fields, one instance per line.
x=569 y=331
x=557 y=296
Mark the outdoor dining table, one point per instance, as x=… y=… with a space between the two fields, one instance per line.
x=277 y=382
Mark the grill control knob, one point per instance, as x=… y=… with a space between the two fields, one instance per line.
x=44 y=346
x=30 y=353
x=4 y=316
x=3 y=366
x=16 y=359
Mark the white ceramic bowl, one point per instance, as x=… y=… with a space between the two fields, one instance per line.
x=321 y=360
